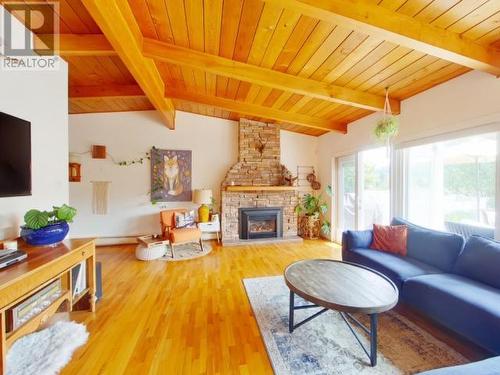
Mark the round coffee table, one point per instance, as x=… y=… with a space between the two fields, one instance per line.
x=344 y=287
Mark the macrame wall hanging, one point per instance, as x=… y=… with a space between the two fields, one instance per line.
x=388 y=126
x=100 y=197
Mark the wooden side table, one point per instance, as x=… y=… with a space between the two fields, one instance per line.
x=42 y=267
x=211 y=227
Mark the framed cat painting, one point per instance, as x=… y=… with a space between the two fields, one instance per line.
x=171 y=175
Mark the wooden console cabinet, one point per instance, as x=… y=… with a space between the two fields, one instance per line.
x=43 y=266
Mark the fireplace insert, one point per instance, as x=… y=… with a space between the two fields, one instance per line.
x=265 y=222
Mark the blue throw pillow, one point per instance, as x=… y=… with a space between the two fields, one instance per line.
x=480 y=261
x=439 y=249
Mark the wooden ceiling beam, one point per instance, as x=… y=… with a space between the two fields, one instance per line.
x=108 y=91
x=80 y=44
x=371 y=19
x=128 y=91
x=178 y=55
x=122 y=31
x=258 y=111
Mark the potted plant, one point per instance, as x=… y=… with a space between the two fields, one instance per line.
x=387 y=128
x=42 y=228
x=212 y=207
x=310 y=210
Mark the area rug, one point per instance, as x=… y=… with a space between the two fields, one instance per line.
x=187 y=251
x=46 y=352
x=326 y=346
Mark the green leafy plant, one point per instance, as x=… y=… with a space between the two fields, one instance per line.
x=311 y=205
x=213 y=205
x=126 y=163
x=387 y=128
x=36 y=219
x=314 y=205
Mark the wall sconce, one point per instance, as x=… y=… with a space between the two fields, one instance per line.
x=98 y=152
x=75 y=165
x=74 y=172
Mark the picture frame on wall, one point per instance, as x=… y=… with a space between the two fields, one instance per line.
x=171 y=175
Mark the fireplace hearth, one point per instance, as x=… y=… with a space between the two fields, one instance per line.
x=266 y=222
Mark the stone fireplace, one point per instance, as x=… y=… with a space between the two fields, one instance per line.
x=253 y=188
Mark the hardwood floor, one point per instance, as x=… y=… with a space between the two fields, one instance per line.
x=190 y=317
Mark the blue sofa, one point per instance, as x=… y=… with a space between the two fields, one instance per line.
x=453 y=282
x=490 y=366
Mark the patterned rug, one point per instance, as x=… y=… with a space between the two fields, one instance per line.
x=326 y=346
x=187 y=251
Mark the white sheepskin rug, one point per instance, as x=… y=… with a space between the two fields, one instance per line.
x=46 y=352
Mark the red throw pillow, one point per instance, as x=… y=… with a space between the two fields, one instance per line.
x=390 y=238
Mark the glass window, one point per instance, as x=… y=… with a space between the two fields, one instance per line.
x=451 y=185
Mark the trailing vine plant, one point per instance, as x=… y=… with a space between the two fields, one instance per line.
x=140 y=160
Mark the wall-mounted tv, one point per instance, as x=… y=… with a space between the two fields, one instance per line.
x=15 y=156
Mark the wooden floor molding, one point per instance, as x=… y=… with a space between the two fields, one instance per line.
x=189 y=317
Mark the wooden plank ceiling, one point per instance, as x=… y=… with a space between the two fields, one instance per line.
x=343 y=66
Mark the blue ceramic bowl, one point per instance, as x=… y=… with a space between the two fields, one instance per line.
x=49 y=235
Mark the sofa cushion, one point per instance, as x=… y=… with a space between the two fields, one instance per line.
x=490 y=366
x=465 y=306
x=480 y=261
x=180 y=235
x=353 y=239
x=395 y=267
x=439 y=249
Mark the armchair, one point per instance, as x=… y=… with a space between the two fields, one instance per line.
x=177 y=236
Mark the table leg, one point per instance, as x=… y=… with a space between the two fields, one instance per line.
x=373 y=339
x=291 y=311
x=91 y=280
x=3 y=344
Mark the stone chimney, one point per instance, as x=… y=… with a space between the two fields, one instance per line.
x=258 y=166
x=259 y=156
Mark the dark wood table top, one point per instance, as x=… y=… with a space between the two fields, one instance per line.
x=341 y=286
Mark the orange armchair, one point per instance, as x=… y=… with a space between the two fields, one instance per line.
x=177 y=236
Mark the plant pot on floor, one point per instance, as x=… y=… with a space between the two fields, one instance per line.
x=49 y=235
x=309 y=227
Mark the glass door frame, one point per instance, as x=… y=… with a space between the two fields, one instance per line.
x=339 y=197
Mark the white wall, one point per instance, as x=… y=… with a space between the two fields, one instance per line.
x=468 y=101
x=42 y=98
x=128 y=135
x=298 y=149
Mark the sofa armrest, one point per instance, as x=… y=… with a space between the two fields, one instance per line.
x=356 y=239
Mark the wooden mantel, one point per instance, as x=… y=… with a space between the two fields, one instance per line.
x=260 y=188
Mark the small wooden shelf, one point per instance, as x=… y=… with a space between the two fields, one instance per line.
x=35 y=322
x=261 y=188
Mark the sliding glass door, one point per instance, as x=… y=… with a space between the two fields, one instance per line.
x=346 y=193
x=363 y=187
x=449 y=183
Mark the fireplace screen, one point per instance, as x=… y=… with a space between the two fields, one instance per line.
x=260 y=223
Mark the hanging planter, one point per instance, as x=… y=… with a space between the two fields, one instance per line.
x=387 y=127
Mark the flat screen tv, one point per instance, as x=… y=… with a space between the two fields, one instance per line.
x=15 y=156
